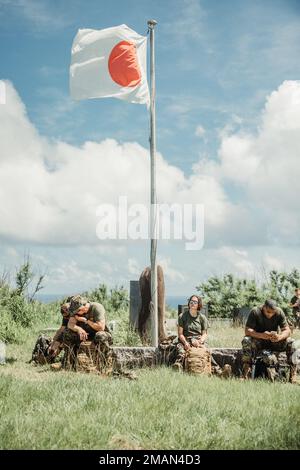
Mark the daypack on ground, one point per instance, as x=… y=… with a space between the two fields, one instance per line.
x=198 y=361
x=40 y=351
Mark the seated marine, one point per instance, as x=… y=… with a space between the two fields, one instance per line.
x=87 y=322
x=192 y=329
x=267 y=330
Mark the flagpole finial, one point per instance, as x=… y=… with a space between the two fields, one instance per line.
x=151 y=23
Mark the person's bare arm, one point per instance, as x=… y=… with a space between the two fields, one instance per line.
x=182 y=338
x=72 y=325
x=96 y=325
x=57 y=334
x=254 y=334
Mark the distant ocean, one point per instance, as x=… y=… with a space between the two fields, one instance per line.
x=171 y=300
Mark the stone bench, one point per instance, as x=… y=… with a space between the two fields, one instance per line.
x=125 y=357
x=129 y=357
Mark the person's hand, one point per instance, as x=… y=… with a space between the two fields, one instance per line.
x=275 y=337
x=196 y=343
x=267 y=335
x=82 y=335
x=80 y=319
x=186 y=346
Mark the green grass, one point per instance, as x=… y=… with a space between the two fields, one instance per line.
x=41 y=409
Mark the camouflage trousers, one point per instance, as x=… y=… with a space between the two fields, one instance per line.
x=71 y=344
x=251 y=347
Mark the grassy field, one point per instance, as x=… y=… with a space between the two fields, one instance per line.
x=41 y=409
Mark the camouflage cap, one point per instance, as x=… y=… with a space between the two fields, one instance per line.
x=64 y=308
x=77 y=302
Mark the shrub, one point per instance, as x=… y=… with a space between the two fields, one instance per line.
x=10 y=331
x=18 y=310
x=224 y=294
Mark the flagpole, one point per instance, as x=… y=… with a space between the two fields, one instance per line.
x=153 y=212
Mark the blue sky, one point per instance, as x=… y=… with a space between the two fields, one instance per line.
x=219 y=67
x=226 y=57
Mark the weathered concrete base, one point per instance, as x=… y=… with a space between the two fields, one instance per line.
x=231 y=356
x=125 y=357
x=132 y=357
x=119 y=358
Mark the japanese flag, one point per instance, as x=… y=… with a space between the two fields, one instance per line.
x=109 y=63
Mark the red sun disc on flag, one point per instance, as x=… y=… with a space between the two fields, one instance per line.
x=123 y=64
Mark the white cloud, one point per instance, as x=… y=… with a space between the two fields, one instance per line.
x=237 y=261
x=241 y=252
x=53 y=110
x=71 y=273
x=199 y=131
x=39 y=14
x=171 y=273
x=271 y=262
x=50 y=71
x=49 y=191
x=187 y=24
x=267 y=166
x=2 y=92
x=11 y=252
x=238 y=158
x=133 y=266
x=263 y=51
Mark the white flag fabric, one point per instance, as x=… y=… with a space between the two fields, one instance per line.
x=109 y=62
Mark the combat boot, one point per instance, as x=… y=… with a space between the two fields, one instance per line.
x=293 y=374
x=226 y=372
x=177 y=366
x=271 y=373
x=246 y=371
x=216 y=370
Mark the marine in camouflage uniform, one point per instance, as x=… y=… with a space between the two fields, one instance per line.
x=87 y=323
x=267 y=330
x=192 y=329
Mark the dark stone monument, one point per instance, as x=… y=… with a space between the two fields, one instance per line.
x=135 y=303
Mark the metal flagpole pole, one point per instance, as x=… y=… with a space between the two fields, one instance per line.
x=153 y=213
